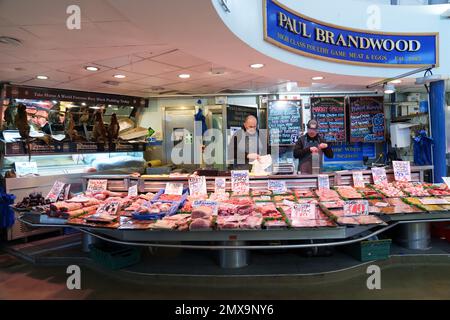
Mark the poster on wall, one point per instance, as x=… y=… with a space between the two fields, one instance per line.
x=367 y=119
x=236 y=115
x=284 y=122
x=330 y=114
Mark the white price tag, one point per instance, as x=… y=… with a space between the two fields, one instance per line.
x=26 y=168
x=323 y=181
x=447 y=181
x=303 y=211
x=133 y=191
x=402 y=170
x=97 y=185
x=277 y=186
x=379 y=175
x=356 y=208
x=240 y=182
x=197 y=185
x=358 y=179
x=220 y=185
x=174 y=188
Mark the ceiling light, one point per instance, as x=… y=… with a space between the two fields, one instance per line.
x=55 y=102
x=41 y=77
x=91 y=68
x=184 y=76
x=257 y=65
x=120 y=76
x=83 y=103
x=317 y=78
x=397 y=81
x=389 y=88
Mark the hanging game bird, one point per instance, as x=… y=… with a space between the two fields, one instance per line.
x=99 y=131
x=113 y=129
x=21 y=121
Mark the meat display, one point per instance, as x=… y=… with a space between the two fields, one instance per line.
x=261 y=192
x=437 y=189
x=304 y=193
x=416 y=191
x=389 y=190
x=200 y=224
x=202 y=212
x=219 y=196
x=169 y=197
x=280 y=198
x=369 y=193
x=348 y=192
x=327 y=195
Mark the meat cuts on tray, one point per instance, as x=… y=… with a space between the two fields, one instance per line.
x=304 y=193
x=390 y=191
x=348 y=192
x=200 y=224
x=202 y=212
x=169 y=197
x=327 y=195
x=261 y=192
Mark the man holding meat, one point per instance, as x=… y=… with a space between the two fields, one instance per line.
x=308 y=145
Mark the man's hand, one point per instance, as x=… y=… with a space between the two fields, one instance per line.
x=323 y=146
x=253 y=156
x=313 y=149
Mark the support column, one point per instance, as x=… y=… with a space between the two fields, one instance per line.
x=437 y=115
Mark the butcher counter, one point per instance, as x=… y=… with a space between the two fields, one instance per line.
x=234 y=245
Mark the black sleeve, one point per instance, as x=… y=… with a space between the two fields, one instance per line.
x=299 y=150
x=327 y=151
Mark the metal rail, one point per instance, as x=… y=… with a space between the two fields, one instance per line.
x=245 y=247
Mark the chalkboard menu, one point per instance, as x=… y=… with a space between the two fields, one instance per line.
x=284 y=122
x=330 y=114
x=236 y=115
x=366 y=119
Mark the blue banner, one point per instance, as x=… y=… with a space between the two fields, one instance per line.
x=290 y=30
x=351 y=152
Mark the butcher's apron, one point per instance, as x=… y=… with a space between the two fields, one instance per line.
x=306 y=164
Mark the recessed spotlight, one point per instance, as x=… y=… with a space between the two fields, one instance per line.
x=41 y=77
x=389 y=88
x=83 y=104
x=54 y=102
x=184 y=76
x=120 y=76
x=256 y=65
x=91 y=68
x=317 y=78
x=397 y=81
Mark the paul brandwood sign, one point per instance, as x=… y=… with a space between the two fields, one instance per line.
x=290 y=30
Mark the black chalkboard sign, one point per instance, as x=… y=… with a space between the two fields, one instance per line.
x=330 y=114
x=236 y=115
x=366 y=119
x=284 y=122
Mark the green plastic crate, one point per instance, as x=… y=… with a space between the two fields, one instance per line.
x=115 y=257
x=370 y=250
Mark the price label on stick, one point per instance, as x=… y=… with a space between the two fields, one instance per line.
x=97 y=185
x=55 y=192
x=26 y=168
x=402 y=170
x=356 y=208
x=240 y=182
x=220 y=185
x=379 y=175
x=303 y=211
x=323 y=181
x=197 y=185
x=133 y=191
x=277 y=186
x=174 y=188
x=358 y=179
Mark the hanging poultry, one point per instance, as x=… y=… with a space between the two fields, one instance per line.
x=99 y=131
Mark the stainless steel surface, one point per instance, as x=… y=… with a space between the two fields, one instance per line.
x=415 y=236
x=233 y=258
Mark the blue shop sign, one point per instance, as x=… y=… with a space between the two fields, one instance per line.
x=351 y=152
x=295 y=32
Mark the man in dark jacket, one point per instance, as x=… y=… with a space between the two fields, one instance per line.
x=246 y=145
x=309 y=144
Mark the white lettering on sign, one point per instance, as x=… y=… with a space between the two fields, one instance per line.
x=358 y=179
x=73 y=22
x=402 y=170
x=379 y=175
x=305 y=211
x=174 y=188
x=356 y=208
x=323 y=181
x=240 y=182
